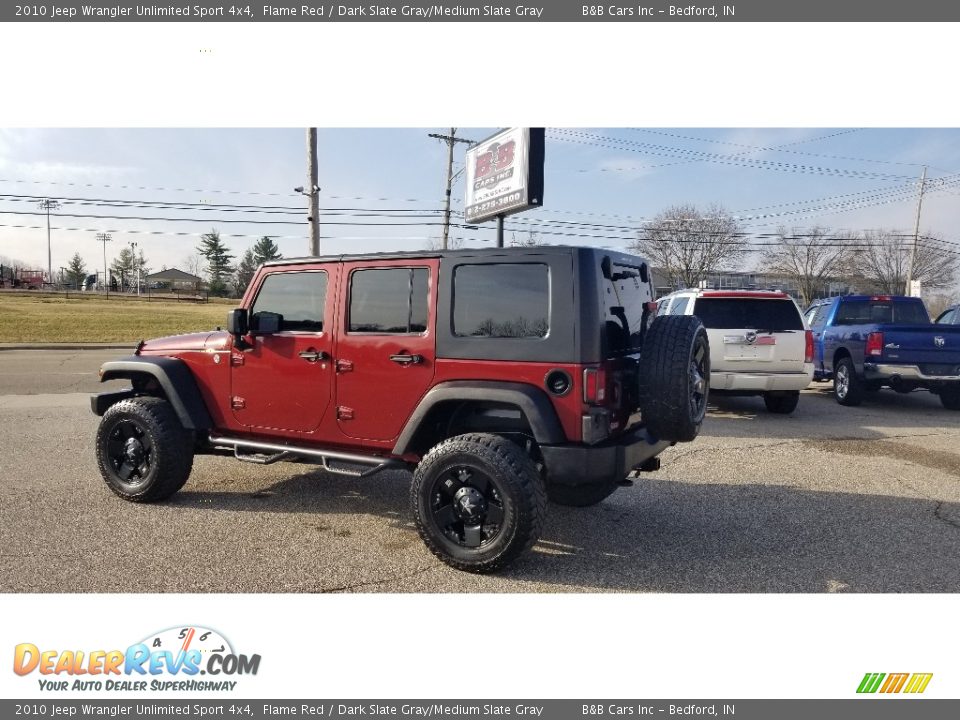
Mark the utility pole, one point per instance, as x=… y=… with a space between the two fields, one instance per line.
x=105 y=238
x=916 y=232
x=48 y=205
x=314 y=174
x=450 y=140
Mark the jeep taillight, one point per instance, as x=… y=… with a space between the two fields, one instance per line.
x=808 y=352
x=594 y=386
x=875 y=344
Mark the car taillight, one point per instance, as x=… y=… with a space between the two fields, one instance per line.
x=875 y=343
x=808 y=352
x=594 y=386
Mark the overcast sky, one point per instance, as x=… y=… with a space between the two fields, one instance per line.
x=383 y=189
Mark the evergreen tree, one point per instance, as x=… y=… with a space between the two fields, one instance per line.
x=218 y=257
x=245 y=271
x=76 y=271
x=124 y=266
x=264 y=250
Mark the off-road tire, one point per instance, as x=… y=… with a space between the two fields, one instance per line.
x=847 y=387
x=675 y=377
x=950 y=397
x=165 y=446
x=782 y=403
x=518 y=485
x=580 y=495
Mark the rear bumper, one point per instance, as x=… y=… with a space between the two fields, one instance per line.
x=589 y=464
x=760 y=382
x=882 y=371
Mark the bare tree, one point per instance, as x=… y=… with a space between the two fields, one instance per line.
x=938 y=302
x=883 y=262
x=435 y=243
x=809 y=258
x=687 y=245
x=194 y=264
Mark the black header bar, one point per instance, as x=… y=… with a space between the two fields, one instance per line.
x=471 y=11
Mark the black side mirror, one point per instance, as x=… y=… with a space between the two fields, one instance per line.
x=265 y=323
x=237 y=322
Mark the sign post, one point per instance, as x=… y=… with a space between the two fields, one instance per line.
x=504 y=176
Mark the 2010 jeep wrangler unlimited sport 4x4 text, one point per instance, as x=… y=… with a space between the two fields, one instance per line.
x=501 y=377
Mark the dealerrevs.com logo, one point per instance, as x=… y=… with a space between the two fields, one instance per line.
x=179 y=659
x=910 y=683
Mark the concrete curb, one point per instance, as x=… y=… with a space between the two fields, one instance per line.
x=131 y=346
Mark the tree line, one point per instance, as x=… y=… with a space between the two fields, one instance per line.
x=688 y=245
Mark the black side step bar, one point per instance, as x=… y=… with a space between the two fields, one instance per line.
x=265 y=453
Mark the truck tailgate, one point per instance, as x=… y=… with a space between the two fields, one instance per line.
x=935 y=346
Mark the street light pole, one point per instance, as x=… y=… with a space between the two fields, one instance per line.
x=133 y=254
x=105 y=238
x=48 y=205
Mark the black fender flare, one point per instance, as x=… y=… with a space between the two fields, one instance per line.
x=173 y=376
x=532 y=401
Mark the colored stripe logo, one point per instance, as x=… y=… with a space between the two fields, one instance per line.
x=913 y=683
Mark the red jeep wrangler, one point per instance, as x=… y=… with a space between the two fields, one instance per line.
x=501 y=377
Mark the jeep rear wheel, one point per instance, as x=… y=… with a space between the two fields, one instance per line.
x=143 y=451
x=674 y=377
x=478 y=501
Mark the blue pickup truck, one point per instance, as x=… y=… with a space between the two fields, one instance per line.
x=866 y=342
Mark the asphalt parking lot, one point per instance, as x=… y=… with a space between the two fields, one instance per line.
x=829 y=499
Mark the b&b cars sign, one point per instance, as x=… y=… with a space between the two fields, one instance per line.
x=505 y=174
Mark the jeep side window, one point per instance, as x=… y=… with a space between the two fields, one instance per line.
x=501 y=300
x=389 y=301
x=298 y=297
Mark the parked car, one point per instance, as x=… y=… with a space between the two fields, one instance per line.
x=950 y=316
x=867 y=342
x=501 y=377
x=759 y=344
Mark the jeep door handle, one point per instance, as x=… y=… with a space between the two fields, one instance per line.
x=404 y=359
x=312 y=356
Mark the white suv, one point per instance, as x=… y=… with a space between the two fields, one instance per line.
x=759 y=342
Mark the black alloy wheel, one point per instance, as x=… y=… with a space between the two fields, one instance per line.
x=129 y=453
x=467 y=506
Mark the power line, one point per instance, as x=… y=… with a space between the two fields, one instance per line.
x=672 y=152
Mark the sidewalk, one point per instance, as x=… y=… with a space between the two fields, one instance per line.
x=131 y=346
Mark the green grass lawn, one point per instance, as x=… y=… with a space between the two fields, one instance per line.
x=38 y=317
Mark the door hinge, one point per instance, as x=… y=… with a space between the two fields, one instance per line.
x=344 y=413
x=238 y=403
x=236 y=359
x=344 y=366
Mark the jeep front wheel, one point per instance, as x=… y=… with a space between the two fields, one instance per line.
x=674 y=377
x=478 y=501
x=143 y=451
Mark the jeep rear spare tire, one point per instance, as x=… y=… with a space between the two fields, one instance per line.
x=143 y=451
x=674 y=377
x=478 y=501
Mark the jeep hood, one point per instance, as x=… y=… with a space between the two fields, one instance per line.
x=215 y=340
